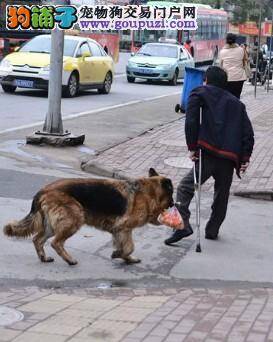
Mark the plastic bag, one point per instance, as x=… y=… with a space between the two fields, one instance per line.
x=171 y=218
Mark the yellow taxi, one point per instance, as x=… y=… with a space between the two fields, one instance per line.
x=85 y=66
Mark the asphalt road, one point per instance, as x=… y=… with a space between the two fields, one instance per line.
x=28 y=107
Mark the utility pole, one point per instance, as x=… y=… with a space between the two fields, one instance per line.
x=258 y=50
x=53 y=122
x=270 y=53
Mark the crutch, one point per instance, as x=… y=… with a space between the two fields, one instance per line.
x=197 y=194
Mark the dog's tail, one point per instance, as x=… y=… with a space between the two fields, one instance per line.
x=28 y=225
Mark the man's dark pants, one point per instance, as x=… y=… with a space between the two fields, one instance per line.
x=222 y=171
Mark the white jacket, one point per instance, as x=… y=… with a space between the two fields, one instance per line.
x=232 y=60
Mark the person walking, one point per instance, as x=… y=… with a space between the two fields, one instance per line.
x=247 y=61
x=226 y=139
x=233 y=59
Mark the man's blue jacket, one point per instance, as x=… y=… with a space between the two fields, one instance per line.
x=226 y=130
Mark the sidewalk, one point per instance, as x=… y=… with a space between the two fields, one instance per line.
x=165 y=149
x=188 y=314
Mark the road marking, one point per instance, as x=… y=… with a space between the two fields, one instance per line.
x=119 y=75
x=77 y=115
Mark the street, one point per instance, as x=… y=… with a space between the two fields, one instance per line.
x=33 y=103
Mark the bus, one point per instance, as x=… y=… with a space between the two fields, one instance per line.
x=207 y=40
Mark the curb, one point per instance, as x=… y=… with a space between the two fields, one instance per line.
x=259 y=195
x=101 y=170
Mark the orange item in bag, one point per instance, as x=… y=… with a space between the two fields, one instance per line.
x=171 y=218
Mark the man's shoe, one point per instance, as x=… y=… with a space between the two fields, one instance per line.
x=179 y=235
x=211 y=236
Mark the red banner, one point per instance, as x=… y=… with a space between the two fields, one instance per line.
x=249 y=28
x=266 y=29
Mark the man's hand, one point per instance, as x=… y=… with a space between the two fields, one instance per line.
x=193 y=156
x=243 y=167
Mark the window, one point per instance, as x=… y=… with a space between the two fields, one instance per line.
x=201 y=32
x=159 y=50
x=103 y=53
x=95 y=49
x=185 y=54
x=43 y=44
x=84 y=48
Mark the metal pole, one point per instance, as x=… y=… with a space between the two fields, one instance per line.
x=270 y=53
x=258 y=50
x=53 y=122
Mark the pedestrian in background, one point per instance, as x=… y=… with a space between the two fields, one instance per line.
x=247 y=60
x=253 y=55
x=232 y=59
x=189 y=47
x=226 y=139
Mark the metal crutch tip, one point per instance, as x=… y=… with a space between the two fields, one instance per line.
x=198 y=248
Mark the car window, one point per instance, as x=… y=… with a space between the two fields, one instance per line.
x=95 y=49
x=83 y=49
x=183 y=54
x=158 y=50
x=103 y=53
x=42 y=44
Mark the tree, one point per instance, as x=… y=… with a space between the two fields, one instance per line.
x=243 y=10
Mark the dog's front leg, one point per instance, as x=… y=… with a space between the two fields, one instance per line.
x=117 y=253
x=125 y=247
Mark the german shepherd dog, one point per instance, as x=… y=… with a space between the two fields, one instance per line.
x=116 y=206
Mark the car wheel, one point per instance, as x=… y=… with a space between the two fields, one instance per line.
x=131 y=79
x=173 y=81
x=8 y=88
x=72 y=88
x=106 y=84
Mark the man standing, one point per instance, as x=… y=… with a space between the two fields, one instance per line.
x=226 y=140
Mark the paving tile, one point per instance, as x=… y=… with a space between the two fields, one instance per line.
x=39 y=337
x=44 y=306
x=51 y=327
x=64 y=298
x=8 y=334
x=96 y=304
x=127 y=314
x=104 y=330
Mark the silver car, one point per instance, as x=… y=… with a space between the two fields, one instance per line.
x=159 y=61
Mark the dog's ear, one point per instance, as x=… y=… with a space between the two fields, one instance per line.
x=152 y=172
x=167 y=185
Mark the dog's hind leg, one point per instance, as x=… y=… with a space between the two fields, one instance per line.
x=44 y=232
x=58 y=245
x=66 y=220
x=125 y=246
x=39 y=241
